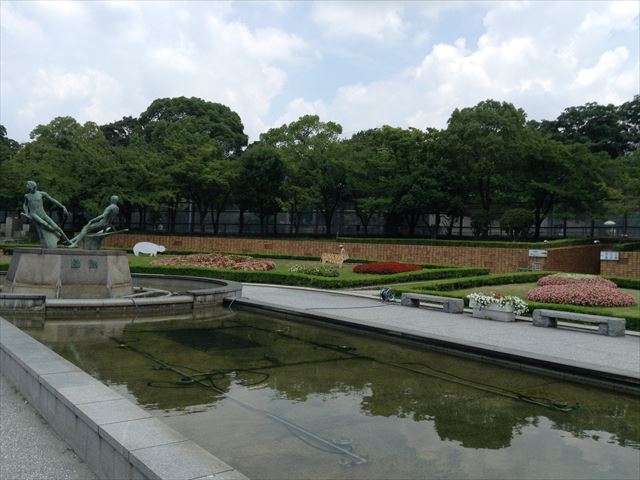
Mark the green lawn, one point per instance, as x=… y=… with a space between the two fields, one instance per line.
x=281 y=275
x=521 y=290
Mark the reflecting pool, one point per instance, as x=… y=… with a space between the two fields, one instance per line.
x=278 y=399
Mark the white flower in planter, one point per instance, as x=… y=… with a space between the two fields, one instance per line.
x=481 y=300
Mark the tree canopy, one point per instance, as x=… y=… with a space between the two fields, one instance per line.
x=489 y=163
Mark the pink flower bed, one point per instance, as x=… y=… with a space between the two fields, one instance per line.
x=567 y=280
x=217 y=260
x=586 y=293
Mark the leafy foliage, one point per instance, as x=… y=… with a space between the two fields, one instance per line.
x=488 y=163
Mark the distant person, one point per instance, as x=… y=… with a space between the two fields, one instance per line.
x=102 y=222
x=33 y=209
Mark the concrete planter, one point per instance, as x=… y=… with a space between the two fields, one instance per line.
x=493 y=312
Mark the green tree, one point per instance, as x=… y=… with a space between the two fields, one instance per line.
x=180 y=126
x=516 y=222
x=623 y=181
x=315 y=175
x=585 y=192
x=604 y=128
x=486 y=143
x=259 y=183
x=206 y=178
x=8 y=148
x=368 y=175
x=64 y=158
x=541 y=181
x=192 y=135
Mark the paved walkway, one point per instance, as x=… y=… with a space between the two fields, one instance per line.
x=616 y=355
x=29 y=448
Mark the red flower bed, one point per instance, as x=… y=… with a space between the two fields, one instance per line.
x=589 y=294
x=568 y=280
x=217 y=260
x=386 y=268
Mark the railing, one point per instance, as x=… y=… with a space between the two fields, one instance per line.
x=345 y=224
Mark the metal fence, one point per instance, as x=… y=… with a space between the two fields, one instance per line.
x=345 y=223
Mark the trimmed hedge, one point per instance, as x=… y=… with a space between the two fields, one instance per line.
x=298 y=279
x=565 y=242
x=478 y=281
x=625 y=282
x=628 y=247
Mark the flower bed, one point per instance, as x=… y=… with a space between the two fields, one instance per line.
x=386 y=268
x=581 y=293
x=569 y=278
x=318 y=270
x=519 y=306
x=217 y=260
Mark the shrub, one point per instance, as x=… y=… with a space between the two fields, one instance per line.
x=216 y=260
x=319 y=270
x=516 y=222
x=628 y=247
x=569 y=278
x=481 y=280
x=386 y=268
x=590 y=294
x=289 y=278
x=626 y=282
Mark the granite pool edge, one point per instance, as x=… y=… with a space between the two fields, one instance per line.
x=581 y=372
x=116 y=438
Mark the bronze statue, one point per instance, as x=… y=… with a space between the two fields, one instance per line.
x=33 y=208
x=102 y=224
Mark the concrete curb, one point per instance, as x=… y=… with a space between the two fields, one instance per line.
x=116 y=438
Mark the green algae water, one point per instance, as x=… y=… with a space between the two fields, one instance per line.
x=278 y=399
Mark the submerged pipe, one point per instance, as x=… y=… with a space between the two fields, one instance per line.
x=356 y=459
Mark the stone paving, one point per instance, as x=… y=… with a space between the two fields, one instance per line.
x=618 y=355
x=29 y=448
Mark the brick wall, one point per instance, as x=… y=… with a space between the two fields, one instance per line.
x=627 y=266
x=580 y=259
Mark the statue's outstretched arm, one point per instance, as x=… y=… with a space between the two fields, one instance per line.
x=55 y=202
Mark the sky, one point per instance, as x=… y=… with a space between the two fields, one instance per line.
x=362 y=64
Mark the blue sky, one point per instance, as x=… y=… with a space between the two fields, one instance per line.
x=362 y=64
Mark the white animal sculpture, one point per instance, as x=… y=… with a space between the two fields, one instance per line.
x=148 y=248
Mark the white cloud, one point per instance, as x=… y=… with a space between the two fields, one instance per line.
x=13 y=23
x=362 y=64
x=523 y=57
x=93 y=90
x=374 y=20
x=609 y=62
x=101 y=69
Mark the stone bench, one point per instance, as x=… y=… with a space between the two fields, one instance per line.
x=449 y=305
x=611 y=326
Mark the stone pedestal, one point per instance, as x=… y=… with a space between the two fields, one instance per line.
x=61 y=273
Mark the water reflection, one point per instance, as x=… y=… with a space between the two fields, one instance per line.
x=415 y=411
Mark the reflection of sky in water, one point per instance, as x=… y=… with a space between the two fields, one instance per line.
x=408 y=426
